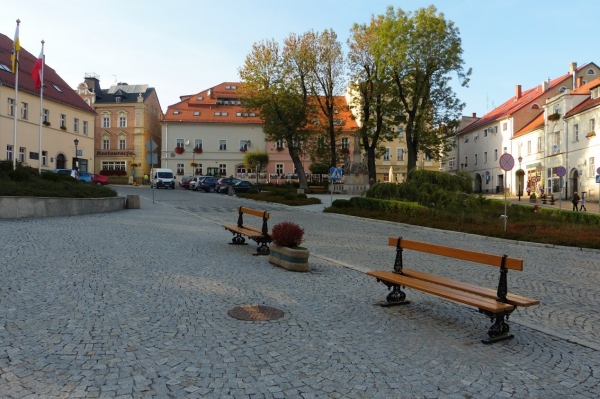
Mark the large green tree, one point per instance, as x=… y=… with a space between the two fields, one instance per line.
x=273 y=85
x=371 y=100
x=420 y=52
x=256 y=161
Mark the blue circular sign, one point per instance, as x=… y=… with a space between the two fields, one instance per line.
x=561 y=171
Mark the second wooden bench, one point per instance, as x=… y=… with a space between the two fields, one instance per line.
x=497 y=304
x=261 y=235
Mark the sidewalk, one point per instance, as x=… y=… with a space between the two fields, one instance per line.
x=565 y=205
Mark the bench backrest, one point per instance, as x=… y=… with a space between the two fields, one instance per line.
x=472 y=256
x=263 y=214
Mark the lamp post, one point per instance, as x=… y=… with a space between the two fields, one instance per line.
x=76 y=142
x=520 y=178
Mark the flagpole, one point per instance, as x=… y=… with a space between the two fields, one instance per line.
x=16 y=97
x=40 y=157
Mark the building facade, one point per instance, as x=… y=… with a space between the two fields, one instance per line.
x=63 y=115
x=128 y=134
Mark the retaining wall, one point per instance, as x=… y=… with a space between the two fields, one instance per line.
x=36 y=207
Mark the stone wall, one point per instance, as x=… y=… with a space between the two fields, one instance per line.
x=29 y=207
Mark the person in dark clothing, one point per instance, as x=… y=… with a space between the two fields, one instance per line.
x=575 y=201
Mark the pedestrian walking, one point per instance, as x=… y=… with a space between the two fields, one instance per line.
x=582 y=208
x=575 y=201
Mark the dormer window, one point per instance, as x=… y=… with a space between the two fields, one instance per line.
x=200 y=98
x=118 y=99
x=562 y=89
x=175 y=112
x=590 y=72
x=196 y=113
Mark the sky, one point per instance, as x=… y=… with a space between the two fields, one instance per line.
x=187 y=46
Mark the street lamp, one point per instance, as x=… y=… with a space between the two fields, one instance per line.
x=520 y=178
x=76 y=142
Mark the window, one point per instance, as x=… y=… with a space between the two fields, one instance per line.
x=485 y=132
x=34 y=155
x=180 y=143
x=466 y=139
x=106 y=121
x=198 y=170
x=63 y=120
x=279 y=168
x=198 y=143
x=279 y=144
x=386 y=154
x=539 y=144
x=590 y=72
x=46 y=116
x=9 y=152
x=105 y=144
x=555 y=141
x=495 y=154
x=244 y=144
x=592 y=167
x=222 y=145
x=592 y=125
x=485 y=158
x=400 y=132
x=238 y=114
x=117 y=99
x=452 y=162
x=427 y=158
x=529 y=147
x=57 y=88
x=85 y=127
x=217 y=114
x=575 y=132
x=400 y=154
x=321 y=142
x=11 y=107
x=337 y=122
x=113 y=165
x=122 y=121
x=505 y=150
x=122 y=144
x=200 y=98
x=175 y=112
x=466 y=161
x=76 y=125
x=44 y=158
x=21 y=154
x=223 y=169
x=196 y=113
x=475 y=159
x=556 y=109
x=345 y=143
x=24 y=111
x=180 y=169
x=504 y=126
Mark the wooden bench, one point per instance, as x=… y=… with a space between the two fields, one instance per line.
x=261 y=235
x=545 y=198
x=497 y=304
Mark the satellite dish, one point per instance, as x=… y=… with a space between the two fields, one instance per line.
x=187 y=142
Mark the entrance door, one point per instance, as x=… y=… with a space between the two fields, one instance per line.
x=500 y=186
x=61 y=162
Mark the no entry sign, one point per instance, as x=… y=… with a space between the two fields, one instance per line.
x=507 y=162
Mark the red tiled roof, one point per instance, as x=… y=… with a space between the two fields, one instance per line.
x=536 y=123
x=584 y=106
x=513 y=104
x=68 y=96
x=585 y=89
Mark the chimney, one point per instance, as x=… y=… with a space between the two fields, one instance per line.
x=474 y=114
x=579 y=81
x=518 y=92
x=545 y=86
x=572 y=67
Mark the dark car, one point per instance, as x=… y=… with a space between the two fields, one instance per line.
x=185 y=182
x=239 y=187
x=225 y=181
x=208 y=184
x=195 y=182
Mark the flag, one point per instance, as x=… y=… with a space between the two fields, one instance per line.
x=15 y=50
x=36 y=72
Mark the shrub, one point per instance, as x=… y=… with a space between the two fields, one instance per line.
x=253 y=191
x=119 y=172
x=287 y=234
x=301 y=195
x=290 y=196
x=341 y=203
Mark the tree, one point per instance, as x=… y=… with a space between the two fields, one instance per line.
x=256 y=161
x=419 y=52
x=371 y=98
x=273 y=86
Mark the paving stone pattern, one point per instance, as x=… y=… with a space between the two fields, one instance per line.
x=133 y=304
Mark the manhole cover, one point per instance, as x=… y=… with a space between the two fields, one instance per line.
x=255 y=313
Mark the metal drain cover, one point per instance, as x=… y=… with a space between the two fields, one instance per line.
x=255 y=313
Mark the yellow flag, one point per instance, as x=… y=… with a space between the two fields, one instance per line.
x=15 y=50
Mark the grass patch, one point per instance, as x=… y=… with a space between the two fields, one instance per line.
x=281 y=196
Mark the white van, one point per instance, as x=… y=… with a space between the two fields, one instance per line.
x=162 y=178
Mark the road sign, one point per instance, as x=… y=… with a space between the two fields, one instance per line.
x=561 y=171
x=335 y=173
x=534 y=180
x=151 y=145
x=598 y=179
x=598 y=171
x=507 y=162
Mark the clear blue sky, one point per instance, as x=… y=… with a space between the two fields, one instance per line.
x=183 y=47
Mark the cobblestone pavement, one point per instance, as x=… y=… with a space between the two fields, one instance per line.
x=134 y=304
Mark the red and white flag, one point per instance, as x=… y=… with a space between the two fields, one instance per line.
x=37 y=71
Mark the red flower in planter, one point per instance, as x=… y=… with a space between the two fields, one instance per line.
x=179 y=150
x=198 y=150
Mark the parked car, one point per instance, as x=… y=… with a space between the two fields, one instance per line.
x=225 y=181
x=70 y=172
x=196 y=181
x=184 y=182
x=99 y=179
x=85 y=177
x=208 y=184
x=239 y=187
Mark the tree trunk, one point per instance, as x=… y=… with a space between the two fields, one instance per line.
x=297 y=163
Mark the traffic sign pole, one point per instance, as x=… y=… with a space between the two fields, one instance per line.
x=507 y=162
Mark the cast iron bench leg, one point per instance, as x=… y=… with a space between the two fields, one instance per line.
x=499 y=330
x=238 y=239
x=395 y=297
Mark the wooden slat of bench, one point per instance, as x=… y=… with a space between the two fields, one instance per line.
x=513 y=299
x=253 y=212
x=472 y=256
x=480 y=302
x=251 y=233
